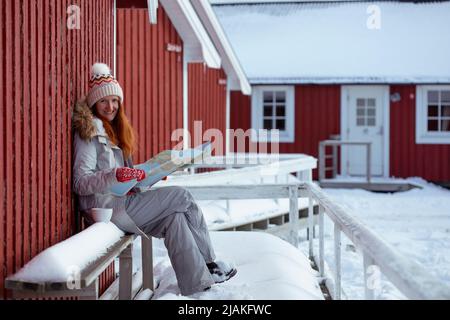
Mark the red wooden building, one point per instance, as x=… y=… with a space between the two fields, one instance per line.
x=363 y=71
x=174 y=71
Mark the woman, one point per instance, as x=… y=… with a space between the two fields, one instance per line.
x=104 y=142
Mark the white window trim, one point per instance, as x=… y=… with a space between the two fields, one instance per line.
x=422 y=135
x=287 y=135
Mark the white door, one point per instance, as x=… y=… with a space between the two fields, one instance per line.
x=364 y=118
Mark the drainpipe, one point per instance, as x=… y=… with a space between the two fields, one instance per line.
x=227 y=121
x=114 y=37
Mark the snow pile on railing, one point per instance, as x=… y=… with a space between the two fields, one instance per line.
x=63 y=259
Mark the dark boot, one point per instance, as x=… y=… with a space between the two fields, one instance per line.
x=221 y=271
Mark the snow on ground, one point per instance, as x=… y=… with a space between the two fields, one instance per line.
x=265 y=261
x=416 y=222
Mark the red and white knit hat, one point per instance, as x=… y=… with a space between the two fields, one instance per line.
x=102 y=84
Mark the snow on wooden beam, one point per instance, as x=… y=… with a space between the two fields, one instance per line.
x=224 y=192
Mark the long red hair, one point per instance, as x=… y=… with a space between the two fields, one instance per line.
x=120 y=131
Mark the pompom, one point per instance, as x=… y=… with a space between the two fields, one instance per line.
x=100 y=69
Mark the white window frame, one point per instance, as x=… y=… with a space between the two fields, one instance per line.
x=287 y=135
x=422 y=135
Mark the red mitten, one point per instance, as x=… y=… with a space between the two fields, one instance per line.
x=125 y=174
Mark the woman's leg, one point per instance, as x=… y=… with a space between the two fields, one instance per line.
x=199 y=229
x=149 y=207
x=171 y=213
x=187 y=261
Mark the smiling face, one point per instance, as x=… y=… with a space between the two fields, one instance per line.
x=107 y=107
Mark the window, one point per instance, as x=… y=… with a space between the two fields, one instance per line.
x=365 y=112
x=273 y=108
x=433 y=115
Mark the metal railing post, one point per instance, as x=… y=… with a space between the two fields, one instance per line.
x=310 y=224
x=369 y=290
x=126 y=273
x=335 y=144
x=321 y=242
x=147 y=263
x=337 y=260
x=368 y=161
x=321 y=161
x=276 y=182
x=335 y=161
x=293 y=215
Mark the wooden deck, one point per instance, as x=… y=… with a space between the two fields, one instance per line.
x=276 y=224
x=376 y=186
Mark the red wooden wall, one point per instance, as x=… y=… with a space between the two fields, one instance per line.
x=44 y=69
x=151 y=77
x=431 y=162
x=317 y=116
x=207 y=102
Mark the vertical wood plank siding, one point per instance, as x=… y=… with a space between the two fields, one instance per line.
x=151 y=77
x=429 y=161
x=44 y=69
x=207 y=103
x=317 y=116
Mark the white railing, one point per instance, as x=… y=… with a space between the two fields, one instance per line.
x=259 y=165
x=262 y=168
x=334 y=156
x=265 y=191
x=411 y=278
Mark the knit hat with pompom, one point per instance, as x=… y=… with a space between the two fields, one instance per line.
x=102 y=84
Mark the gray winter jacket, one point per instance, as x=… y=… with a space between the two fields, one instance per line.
x=95 y=160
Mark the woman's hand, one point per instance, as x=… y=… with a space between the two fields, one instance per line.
x=124 y=174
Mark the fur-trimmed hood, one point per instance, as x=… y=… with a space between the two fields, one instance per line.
x=85 y=123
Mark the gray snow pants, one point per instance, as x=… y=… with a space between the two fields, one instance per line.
x=171 y=213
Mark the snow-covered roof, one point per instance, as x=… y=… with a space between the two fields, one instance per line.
x=236 y=76
x=328 y=42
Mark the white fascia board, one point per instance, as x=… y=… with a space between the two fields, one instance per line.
x=230 y=63
x=152 y=11
x=347 y=80
x=227 y=2
x=196 y=42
